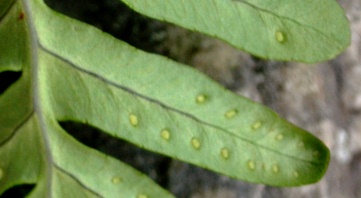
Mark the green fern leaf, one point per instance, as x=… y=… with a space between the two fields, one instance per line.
x=72 y=71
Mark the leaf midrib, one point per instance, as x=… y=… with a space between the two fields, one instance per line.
x=35 y=86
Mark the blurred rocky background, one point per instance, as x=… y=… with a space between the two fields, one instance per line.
x=323 y=98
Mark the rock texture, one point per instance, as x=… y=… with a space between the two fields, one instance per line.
x=323 y=98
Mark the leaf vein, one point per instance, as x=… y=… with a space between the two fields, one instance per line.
x=16 y=129
x=306 y=26
x=75 y=179
x=8 y=10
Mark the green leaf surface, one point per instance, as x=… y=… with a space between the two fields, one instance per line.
x=72 y=71
x=298 y=30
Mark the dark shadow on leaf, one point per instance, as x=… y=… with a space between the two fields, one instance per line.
x=18 y=191
x=7 y=78
x=118 y=20
x=115 y=18
x=154 y=165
